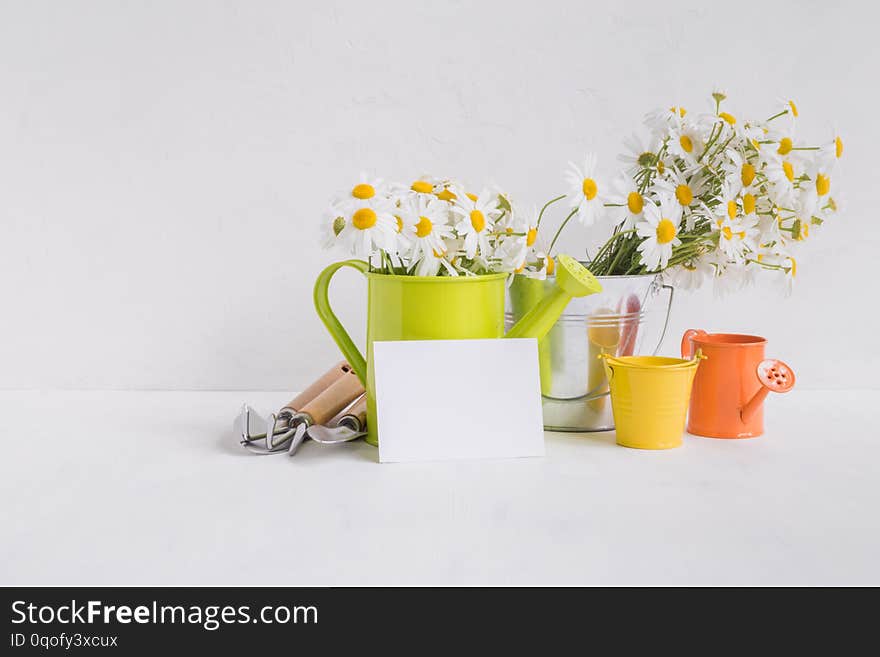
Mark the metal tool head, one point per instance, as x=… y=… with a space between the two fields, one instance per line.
x=297 y=437
x=341 y=433
x=247 y=425
x=775 y=375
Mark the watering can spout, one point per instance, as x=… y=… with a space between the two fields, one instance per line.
x=572 y=280
x=775 y=376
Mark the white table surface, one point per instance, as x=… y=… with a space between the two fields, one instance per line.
x=109 y=488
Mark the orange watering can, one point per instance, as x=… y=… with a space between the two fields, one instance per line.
x=730 y=386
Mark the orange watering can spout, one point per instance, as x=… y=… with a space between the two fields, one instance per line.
x=775 y=376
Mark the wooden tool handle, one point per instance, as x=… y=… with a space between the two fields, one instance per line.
x=327 y=379
x=359 y=411
x=340 y=394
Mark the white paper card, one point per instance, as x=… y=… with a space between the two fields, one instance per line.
x=458 y=399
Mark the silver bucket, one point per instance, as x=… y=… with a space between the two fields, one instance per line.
x=574 y=389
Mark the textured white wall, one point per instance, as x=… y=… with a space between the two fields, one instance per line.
x=163 y=164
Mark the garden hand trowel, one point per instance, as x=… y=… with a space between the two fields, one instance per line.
x=351 y=425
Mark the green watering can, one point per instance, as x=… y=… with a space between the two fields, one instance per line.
x=442 y=308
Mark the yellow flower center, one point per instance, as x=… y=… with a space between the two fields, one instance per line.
x=680 y=110
x=729 y=118
x=731 y=210
x=728 y=234
x=589 y=188
x=747 y=174
x=785 y=146
x=519 y=269
x=794 y=111
x=531 y=236
x=472 y=197
x=551 y=266
x=823 y=184
x=438 y=254
x=684 y=194
x=364 y=218
x=635 y=202
x=793 y=267
x=363 y=191
x=838 y=147
x=832 y=205
x=788 y=170
x=399 y=223
x=446 y=195
x=422 y=187
x=661 y=167
x=424 y=227
x=665 y=231
x=756 y=144
x=749 y=203
x=687 y=145
x=478 y=221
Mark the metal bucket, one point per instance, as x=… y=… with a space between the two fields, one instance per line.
x=574 y=387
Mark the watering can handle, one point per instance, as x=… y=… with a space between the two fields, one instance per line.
x=666 y=322
x=687 y=347
x=334 y=326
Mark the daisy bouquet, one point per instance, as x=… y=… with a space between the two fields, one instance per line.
x=431 y=227
x=706 y=197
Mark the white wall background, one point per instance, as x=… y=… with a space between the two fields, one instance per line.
x=163 y=165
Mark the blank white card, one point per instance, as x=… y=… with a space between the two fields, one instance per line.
x=458 y=399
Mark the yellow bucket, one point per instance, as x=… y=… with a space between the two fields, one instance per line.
x=649 y=398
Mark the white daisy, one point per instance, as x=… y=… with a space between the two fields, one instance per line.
x=740 y=171
x=512 y=253
x=584 y=196
x=691 y=274
x=728 y=208
x=820 y=179
x=737 y=237
x=658 y=121
x=782 y=139
x=659 y=227
x=425 y=185
x=625 y=193
x=366 y=191
x=685 y=189
x=639 y=154
x=789 y=107
x=781 y=172
x=367 y=228
x=476 y=221
x=685 y=141
x=831 y=152
x=426 y=223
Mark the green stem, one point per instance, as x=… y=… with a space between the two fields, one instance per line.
x=614 y=262
x=559 y=230
x=547 y=205
x=776 y=116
